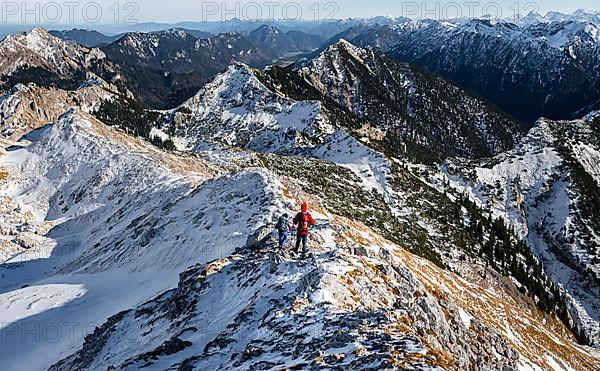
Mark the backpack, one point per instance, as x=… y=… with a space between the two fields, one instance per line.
x=281 y=224
x=303 y=224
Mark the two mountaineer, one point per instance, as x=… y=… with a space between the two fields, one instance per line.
x=302 y=223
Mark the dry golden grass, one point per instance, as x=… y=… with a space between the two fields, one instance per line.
x=3 y=145
x=495 y=300
x=405 y=320
x=441 y=359
x=533 y=333
x=214 y=267
x=180 y=164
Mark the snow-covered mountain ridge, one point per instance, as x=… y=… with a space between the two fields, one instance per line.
x=236 y=109
x=549 y=189
x=331 y=311
x=117 y=220
x=120 y=225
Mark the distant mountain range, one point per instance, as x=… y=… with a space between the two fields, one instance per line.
x=166 y=67
x=162 y=68
x=325 y=28
x=329 y=28
x=552 y=16
x=542 y=69
x=93 y=38
x=539 y=66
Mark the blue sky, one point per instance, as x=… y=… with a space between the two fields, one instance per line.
x=127 y=11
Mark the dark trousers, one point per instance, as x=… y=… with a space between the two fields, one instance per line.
x=283 y=236
x=304 y=240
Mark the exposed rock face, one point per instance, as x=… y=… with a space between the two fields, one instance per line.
x=29 y=107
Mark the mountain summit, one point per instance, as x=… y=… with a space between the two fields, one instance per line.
x=418 y=113
x=40 y=49
x=41 y=58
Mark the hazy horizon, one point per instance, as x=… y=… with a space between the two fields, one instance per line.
x=112 y=17
x=104 y=13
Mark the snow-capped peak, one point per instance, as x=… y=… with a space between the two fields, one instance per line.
x=333 y=53
x=38 y=48
x=228 y=84
x=560 y=34
x=236 y=108
x=552 y=17
x=38 y=38
x=532 y=18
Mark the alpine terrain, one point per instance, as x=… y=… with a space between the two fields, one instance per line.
x=529 y=69
x=142 y=178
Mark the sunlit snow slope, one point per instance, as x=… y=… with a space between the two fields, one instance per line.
x=112 y=222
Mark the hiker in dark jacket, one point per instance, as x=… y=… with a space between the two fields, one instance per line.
x=283 y=227
x=304 y=221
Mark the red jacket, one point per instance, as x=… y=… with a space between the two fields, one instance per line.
x=303 y=221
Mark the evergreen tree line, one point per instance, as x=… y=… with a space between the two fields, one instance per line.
x=509 y=255
x=131 y=117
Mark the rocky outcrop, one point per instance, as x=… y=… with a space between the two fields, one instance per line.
x=382 y=309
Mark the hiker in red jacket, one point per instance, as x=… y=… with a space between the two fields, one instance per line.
x=304 y=221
